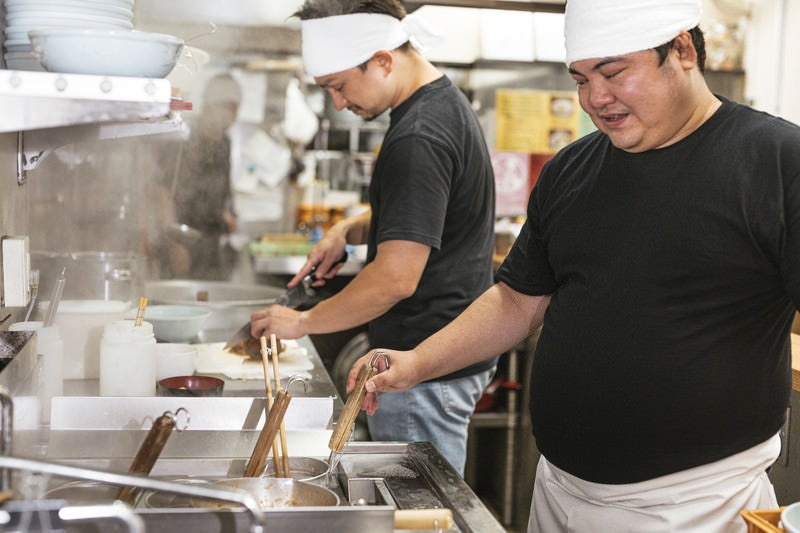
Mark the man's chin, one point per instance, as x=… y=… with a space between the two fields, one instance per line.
x=363 y=115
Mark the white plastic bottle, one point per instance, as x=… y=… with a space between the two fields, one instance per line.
x=128 y=359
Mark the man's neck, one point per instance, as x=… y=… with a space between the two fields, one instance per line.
x=413 y=71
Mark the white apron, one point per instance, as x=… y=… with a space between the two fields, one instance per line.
x=705 y=499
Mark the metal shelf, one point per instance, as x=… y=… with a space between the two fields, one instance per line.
x=289 y=265
x=35 y=100
x=50 y=109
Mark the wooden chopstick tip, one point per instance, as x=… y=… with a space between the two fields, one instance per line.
x=140 y=312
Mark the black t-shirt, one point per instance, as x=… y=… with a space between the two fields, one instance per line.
x=433 y=184
x=674 y=276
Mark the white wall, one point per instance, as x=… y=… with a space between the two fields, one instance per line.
x=770 y=50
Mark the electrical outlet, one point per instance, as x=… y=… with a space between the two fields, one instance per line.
x=16 y=271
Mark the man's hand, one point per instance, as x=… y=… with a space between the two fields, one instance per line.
x=401 y=372
x=284 y=322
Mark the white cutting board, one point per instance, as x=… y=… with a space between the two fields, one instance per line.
x=212 y=358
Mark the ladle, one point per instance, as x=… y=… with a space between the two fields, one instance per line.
x=347 y=417
x=183 y=233
x=203 y=33
x=151 y=448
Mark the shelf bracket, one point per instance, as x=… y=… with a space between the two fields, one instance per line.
x=22 y=175
x=27 y=161
x=40 y=143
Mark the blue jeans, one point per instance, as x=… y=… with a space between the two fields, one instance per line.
x=437 y=412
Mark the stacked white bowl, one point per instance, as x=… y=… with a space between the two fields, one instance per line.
x=23 y=16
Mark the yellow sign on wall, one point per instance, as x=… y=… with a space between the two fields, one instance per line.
x=539 y=122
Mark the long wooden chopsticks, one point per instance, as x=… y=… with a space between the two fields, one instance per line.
x=273 y=341
x=273 y=423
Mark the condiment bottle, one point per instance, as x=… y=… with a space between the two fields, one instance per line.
x=128 y=359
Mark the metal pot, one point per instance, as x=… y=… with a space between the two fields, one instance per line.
x=272 y=492
x=84 y=492
x=269 y=492
x=117 y=276
x=230 y=303
x=306 y=469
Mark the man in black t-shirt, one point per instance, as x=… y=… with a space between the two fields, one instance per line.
x=659 y=257
x=430 y=228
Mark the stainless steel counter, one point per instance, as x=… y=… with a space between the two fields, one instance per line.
x=96 y=437
x=105 y=432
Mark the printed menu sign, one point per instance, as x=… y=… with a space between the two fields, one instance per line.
x=540 y=122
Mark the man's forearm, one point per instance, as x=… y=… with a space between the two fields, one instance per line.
x=491 y=325
x=356 y=229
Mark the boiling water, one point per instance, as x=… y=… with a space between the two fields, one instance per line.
x=333 y=462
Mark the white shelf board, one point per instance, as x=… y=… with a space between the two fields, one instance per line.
x=35 y=100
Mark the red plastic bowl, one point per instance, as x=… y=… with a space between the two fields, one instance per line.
x=190 y=386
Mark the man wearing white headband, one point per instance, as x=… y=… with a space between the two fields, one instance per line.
x=659 y=257
x=430 y=228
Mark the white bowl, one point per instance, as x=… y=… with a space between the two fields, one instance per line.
x=174 y=359
x=68 y=6
x=790 y=518
x=22 y=61
x=20 y=31
x=18 y=45
x=55 y=18
x=176 y=323
x=98 y=4
x=106 y=52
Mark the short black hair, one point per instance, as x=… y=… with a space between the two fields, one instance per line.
x=314 y=9
x=699 y=42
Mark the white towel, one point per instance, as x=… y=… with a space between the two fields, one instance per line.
x=338 y=43
x=606 y=28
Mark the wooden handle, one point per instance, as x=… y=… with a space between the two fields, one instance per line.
x=435 y=519
x=276 y=463
x=149 y=451
x=255 y=466
x=273 y=342
x=350 y=411
x=140 y=312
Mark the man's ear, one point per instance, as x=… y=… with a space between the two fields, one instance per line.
x=384 y=60
x=687 y=54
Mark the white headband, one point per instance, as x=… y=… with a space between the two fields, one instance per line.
x=341 y=42
x=605 y=28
